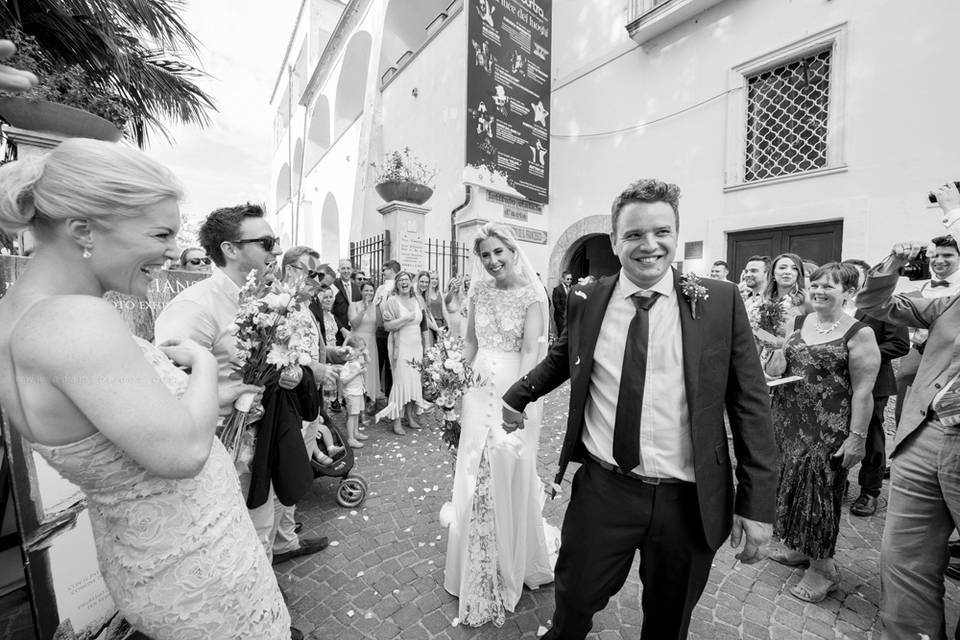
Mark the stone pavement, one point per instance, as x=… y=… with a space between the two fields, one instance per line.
x=382 y=576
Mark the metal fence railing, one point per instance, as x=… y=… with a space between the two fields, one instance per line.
x=447 y=258
x=369 y=254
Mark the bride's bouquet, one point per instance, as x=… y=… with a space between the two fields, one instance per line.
x=445 y=377
x=269 y=338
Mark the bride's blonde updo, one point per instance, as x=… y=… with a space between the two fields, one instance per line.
x=81 y=178
x=498 y=231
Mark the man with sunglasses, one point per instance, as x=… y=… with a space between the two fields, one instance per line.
x=238 y=240
x=194 y=259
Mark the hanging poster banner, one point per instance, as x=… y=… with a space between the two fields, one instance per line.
x=508 y=96
x=68 y=596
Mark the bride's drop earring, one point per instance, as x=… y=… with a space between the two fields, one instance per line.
x=87 y=253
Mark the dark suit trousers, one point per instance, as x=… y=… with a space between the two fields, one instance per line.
x=383 y=354
x=609 y=518
x=874 y=462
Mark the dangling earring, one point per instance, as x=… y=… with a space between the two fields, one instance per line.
x=86 y=253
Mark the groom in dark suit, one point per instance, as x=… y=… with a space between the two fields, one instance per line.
x=653 y=360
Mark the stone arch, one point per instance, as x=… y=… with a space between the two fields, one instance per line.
x=318 y=135
x=283 y=185
x=572 y=239
x=352 y=84
x=405 y=28
x=330 y=230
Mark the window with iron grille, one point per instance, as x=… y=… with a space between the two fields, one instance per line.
x=787 y=112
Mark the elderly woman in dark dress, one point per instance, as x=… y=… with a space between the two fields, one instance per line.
x=820 y=425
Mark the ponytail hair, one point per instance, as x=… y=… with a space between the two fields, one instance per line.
x=82 y=178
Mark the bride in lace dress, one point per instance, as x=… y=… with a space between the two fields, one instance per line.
x=498 y=540
x=114 y=414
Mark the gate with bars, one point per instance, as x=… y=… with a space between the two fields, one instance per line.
x=447 y=259
x=369 y=254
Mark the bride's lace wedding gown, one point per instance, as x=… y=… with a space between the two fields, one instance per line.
x=179 y=556
x=498 y=540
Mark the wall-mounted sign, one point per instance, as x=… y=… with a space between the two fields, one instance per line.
x=508 y=94
x=693 y=250
x=526 y=234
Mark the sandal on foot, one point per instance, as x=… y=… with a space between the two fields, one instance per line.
x=334 y=450
x=790 y=558
x=354 y=444
x=362 y=436
x=814 y=586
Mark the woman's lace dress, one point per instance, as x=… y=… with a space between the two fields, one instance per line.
x=811 y=419
x=179 y=556
x=497 y=538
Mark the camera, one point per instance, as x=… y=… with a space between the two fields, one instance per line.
x=918 y=268
x=933 y=199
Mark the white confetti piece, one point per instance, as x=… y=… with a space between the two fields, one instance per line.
x=436 y=488
x=350 y=613
x=359 y=573
x=368 y=615
x=353 y=513
x=421 y=544
x=335 y=543
x=541 y=630
x=430 y=561
x=408 y=530
x=409 y=489
x=341 y=517
x=455 y=622
x=439 y=537
x=396 y=590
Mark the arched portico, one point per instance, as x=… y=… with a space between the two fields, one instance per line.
x=592 y=232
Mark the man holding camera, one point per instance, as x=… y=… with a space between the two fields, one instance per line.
x=924 y=506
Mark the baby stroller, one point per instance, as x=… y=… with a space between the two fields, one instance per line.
x=352 y=490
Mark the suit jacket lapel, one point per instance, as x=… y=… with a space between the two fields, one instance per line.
x=691 y=331
x=593 y=313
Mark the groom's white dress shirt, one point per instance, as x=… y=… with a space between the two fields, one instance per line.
x=666 y=447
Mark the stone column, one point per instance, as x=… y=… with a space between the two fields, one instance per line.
x=406 y=223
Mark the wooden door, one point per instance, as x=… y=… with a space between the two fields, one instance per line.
x=821 y=242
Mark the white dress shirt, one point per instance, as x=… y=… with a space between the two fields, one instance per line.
x=666 y=447
x=204 y=312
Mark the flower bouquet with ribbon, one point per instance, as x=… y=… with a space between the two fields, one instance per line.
x=269 y=338
x=766 y=320
x=445 y=377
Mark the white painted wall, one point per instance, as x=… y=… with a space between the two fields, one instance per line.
x=898 y=121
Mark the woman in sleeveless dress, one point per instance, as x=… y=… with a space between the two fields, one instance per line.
x=403 y=317
x=113 y=414
x=455 y=303
x=363 y=320
x=820 y=424
x=498 y=541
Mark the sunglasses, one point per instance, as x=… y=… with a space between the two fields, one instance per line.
x=266 y=242
x=198 y=261
x=311 y=274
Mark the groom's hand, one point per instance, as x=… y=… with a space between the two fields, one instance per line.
x=758 y=537
x=512 y=420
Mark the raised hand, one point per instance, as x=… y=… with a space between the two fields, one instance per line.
x=14 y=79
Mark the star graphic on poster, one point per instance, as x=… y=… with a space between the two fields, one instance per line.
x=540 y=113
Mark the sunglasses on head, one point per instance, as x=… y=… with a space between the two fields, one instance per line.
x=198 y=261
x=267 y=242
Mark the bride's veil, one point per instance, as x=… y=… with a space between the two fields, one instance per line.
x=529 y=274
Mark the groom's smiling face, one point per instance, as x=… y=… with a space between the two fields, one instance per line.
x=645 y=240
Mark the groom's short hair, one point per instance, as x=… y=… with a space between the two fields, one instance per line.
x=647 y=190
x=223 y=225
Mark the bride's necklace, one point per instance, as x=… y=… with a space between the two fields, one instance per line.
x=819 y=327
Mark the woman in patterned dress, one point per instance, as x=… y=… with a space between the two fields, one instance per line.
x=821 y=425
x=498 y=540
x=175 y=544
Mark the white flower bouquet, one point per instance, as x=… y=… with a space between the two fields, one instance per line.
x=269 y=338
x=445 y=377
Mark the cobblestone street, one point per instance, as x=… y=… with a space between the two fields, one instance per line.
x=382 y=576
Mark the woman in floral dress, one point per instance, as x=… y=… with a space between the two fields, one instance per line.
x=821 y=425
x=498 y=540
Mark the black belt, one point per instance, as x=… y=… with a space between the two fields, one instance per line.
x=630 y=474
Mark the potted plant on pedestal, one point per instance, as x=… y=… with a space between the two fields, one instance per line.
x=66 y=102
x=402 y=177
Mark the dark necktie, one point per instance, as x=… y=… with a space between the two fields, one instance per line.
x=939 y=283
x=626 y=429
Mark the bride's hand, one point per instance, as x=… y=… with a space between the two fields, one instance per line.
x=186 y=353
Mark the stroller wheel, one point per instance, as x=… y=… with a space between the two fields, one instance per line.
x=351 y=493
x=359 y=478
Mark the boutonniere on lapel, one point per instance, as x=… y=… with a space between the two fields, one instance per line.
x=693 y=291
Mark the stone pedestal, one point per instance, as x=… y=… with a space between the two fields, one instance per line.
x=406 y=224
